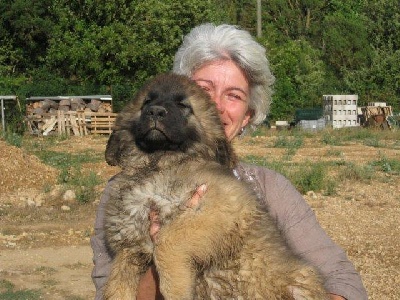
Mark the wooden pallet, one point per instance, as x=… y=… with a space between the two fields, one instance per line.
x=68 y=122
x=101 y=123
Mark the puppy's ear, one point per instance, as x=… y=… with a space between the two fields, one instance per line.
x=225 y=154
x=113 y=150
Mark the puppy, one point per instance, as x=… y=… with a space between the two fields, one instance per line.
x=168 y=141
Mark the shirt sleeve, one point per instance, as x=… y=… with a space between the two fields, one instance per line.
x=101 y=256
x=305 y=236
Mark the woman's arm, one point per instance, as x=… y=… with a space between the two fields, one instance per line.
x=304 y=234
x=101 y=257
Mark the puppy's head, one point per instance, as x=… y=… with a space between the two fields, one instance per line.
x=171 y=113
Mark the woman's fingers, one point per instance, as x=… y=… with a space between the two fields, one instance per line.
x=154 y=224
x=193 y=202
x=196 y=197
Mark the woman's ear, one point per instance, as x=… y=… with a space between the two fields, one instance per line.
x=247 y=117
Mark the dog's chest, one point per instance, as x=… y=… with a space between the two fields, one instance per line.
x=161 y=191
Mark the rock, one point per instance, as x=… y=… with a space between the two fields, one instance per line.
x=312 y=194
x=69 y=196
x=65 y=208
x=39 y=200
x=30 y=202
x=56 y=192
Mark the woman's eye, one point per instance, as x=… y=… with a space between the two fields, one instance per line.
x=233 y=96
x=205 y=88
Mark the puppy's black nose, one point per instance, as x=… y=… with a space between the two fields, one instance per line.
x=156 y=112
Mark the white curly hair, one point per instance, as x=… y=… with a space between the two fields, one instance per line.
x=209 y=42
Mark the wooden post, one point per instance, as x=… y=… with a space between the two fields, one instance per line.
x=59 y=122
x=259 y=33
x=2 y=114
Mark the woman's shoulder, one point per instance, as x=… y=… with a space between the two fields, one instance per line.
x=273 y=187
x=260 y=173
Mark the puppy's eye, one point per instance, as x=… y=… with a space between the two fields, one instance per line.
x=183 y=105
x=147 y=100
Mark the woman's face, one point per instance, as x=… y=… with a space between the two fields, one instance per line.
x=228 y=87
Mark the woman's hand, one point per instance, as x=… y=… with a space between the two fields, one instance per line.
x=191 y=203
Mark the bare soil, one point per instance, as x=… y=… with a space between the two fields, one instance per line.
x=45 y=247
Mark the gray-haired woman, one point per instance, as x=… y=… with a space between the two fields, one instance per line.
x=232 y=67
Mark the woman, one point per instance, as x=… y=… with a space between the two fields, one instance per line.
x=232 y=67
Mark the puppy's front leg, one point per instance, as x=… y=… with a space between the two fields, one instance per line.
x=175 y=268
x=190 y=242
x=124 y=277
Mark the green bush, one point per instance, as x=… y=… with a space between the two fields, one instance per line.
x=386 y=165
x=8 y=292
x=356 y=173
x=291 y=143
x=70 y=166
x=310 y=177
x=11 y=138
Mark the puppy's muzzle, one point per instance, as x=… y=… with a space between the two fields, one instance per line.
x=156 y=112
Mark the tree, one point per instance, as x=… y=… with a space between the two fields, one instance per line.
x=384 y=25
x=345 y=42
x=118 y=41
x=294 y=19
x=300 y=76
x=380 y=81
x=25 y=26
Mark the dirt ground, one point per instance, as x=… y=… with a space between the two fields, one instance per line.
x=45 y=246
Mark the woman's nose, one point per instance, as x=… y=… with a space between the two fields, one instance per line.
x=218 y=102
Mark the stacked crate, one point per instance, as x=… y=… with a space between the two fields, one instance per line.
x=341 y=110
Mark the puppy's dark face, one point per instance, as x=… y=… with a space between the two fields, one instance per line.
x=164 y=119
x=171 y=113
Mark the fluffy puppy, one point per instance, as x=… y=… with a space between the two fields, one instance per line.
x=168 y=141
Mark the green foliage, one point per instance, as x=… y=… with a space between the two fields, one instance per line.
x=373 y=143
x=8 y=292
x=389 y=166
x=119 y=41
x=84 y=185
x=65 y=160
x=307 y=176
x=300 y=74
x=346 y=41
x=11 y=138
x=379 y=80
x=328 y=138
x=363 y=173
x=292 y=144
x=71 y=175
x=310 y=178
x=26 y=26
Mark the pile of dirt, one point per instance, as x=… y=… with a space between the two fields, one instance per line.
x=21 y=171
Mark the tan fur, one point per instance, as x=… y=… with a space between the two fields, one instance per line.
x=227 y=247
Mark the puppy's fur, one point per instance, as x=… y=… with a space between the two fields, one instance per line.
x=168 y=141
